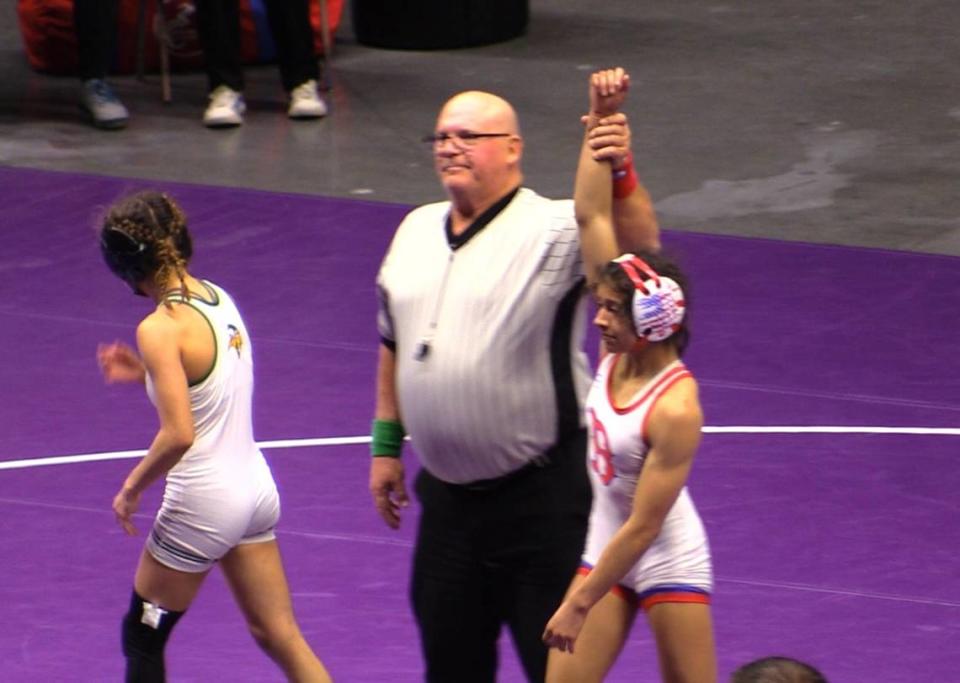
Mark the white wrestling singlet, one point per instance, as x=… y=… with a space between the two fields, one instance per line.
x=676 y=567
x=221 y=493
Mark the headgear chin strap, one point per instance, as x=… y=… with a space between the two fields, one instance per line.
x=128 y=258
x=658 y=303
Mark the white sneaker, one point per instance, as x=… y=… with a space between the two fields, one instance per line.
x=225 y=109
x=305 y=102
x=104 y=108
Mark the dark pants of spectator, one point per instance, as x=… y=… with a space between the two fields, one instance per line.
x=218 y=22
x=503 y=551
x=95 y=23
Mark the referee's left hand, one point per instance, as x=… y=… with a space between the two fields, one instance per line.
x=388 y=489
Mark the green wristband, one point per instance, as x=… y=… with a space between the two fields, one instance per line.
x=386 y=438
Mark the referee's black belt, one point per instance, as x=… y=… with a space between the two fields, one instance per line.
x=538 y=463
x=550 y=457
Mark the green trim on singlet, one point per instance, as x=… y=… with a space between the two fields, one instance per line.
x=214 y=297
x=176 y=295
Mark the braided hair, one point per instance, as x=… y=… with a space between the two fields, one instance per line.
x=154 y=220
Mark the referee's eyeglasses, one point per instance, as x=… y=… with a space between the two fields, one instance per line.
x=462 y=139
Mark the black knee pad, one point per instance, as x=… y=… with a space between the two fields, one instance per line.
x=146 y=628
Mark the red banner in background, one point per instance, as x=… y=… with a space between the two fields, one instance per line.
x=51 y=45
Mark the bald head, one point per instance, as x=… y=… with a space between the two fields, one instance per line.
x=488 y=110
x=477 y=171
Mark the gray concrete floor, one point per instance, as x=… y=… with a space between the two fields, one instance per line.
x=816 y=120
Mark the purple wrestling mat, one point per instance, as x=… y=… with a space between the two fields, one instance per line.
x=833 y=545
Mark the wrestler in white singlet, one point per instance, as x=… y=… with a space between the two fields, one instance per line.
x=221 y=493
x=676 y=567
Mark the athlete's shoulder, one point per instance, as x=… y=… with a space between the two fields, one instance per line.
x=159 y=332
x=161 y=320
x=217 y=296
x=679 y=405
x=213 y=287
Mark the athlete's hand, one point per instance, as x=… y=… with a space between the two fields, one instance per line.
x=125 y=504
x=564 y=627
x=120 y=363
x=608 y=90
x=388 y=489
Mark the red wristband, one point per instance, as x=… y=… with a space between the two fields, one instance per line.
x=625 y=180
x=627 y=162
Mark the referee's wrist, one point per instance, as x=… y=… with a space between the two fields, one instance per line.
x=386 y=438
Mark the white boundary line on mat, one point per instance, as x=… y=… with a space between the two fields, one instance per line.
x=349 y=440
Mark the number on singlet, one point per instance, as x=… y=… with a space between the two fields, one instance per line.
x=601 y=458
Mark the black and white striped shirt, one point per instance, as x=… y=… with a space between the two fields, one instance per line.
x=503 y=316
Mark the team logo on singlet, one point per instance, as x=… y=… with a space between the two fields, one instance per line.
x=236 y=339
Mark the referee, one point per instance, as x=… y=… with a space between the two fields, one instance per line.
x=481 y=322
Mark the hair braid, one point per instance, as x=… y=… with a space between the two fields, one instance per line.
x=154 y=219
x=177 y=234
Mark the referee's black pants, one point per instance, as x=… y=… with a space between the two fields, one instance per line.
x=218 y=23
x=503 y=551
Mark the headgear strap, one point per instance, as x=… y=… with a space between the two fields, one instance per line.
x=658 y=304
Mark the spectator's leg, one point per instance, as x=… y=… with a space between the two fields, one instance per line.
x=218 y=22
x=293 y=37
x=95 y=22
